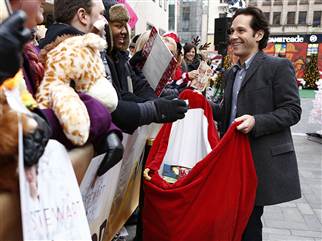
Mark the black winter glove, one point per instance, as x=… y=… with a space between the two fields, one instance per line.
x=169 y=92
x=35 y=143
x=13 y=36
x=114 y=153
x=162 y=110
x=169 y=109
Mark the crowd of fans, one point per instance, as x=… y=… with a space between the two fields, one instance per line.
x=137 y=105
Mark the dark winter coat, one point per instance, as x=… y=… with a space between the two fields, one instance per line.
x=127 y=113
x=269 y=92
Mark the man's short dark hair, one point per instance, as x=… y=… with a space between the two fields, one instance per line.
x=258 y=22
x=65 y=10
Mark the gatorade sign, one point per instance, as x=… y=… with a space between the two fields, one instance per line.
x=299 y=38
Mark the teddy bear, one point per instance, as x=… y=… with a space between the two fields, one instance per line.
x=73 y=64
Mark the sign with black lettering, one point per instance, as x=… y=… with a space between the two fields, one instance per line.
x=51 y=203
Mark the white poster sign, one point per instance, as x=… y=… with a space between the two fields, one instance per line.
x=160 y=62
x=51 y=203
x=103 y=196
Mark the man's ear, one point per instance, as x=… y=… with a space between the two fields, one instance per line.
x=259 y=35
x=82 y=16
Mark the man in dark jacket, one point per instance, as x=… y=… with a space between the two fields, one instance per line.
x=77 y=17
x=138 y=104
x=261 y=93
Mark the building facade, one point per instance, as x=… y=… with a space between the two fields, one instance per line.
x=192 y=20
x=291 y=16
x=150 y=13
x=174 y=14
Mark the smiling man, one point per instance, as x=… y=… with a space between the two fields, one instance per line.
x=261 y=93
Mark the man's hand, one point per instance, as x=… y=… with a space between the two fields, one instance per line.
x=146 y=174
x=248 y=123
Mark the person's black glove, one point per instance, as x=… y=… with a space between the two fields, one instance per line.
x=162 y=110
x=114 y=153
x=168 y=91
x=13 y=36
x=169 y=109
x=34 y=143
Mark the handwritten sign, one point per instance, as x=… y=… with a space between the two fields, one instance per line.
x=51 y=203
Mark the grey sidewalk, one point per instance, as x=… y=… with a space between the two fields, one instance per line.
x=300 y=219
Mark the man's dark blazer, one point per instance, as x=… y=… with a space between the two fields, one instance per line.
x=269 y=92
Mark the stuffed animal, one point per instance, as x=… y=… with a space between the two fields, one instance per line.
x=9 y=140
x=74 y=59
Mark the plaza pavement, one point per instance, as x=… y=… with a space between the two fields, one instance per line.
x=300 y=219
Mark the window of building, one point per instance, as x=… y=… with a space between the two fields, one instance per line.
x=267 y=15
x=186 y=13
x=291 y=18
x=165 y=5
x=292 y=2
x=252 y=3
x=278 y=2
x=318 y=1
x=171 y=13
x=303 y=2
x=266 y=2
x=302 y=17
x=185 y=26
x=160 y=3
x=317 y=18
x=276 y=18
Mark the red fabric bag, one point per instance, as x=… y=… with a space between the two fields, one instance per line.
x=214 y=201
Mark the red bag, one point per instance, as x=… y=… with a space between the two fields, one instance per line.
x=214 y=201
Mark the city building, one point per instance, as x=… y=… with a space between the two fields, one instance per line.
x=150 y=13
x=291 y=16
x=174 y=14
x=296 y=30
x=192 y=20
